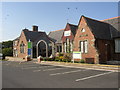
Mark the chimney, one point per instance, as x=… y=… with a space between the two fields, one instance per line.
x=35 y=28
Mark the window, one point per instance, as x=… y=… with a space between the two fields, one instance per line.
x=65 y=47
x=117 y=45
x=67 y=33
x=22 y=48
x=60 y=48
x=83 y=46
x=83 y=30
x=57 y=48
x=71 y=46
x=86 y=46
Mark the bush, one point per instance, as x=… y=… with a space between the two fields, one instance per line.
x=66 y=60
x=48 y=59
x=7 y=51
x=67 y=56
x=76 y=61
x=82 y=61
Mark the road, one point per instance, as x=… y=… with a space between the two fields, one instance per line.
x=32 y=75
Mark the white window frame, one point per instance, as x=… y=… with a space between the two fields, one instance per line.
x=83 y=30
x=67 y=33
x=117 y=45
x=84 y=46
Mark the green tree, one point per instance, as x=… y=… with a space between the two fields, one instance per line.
x=7 y=44
x=7 y=48
x=7 y=51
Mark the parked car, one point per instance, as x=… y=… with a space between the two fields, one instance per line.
x=2 y=56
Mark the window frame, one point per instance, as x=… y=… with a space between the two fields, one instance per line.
x=22 y=47
x=83 y=30
x=117 y=45
x=83 y=46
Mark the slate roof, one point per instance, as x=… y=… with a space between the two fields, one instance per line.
x=114 y=26
x=56 y=35
x=99 y=29
x=73 y=28
x=33 y=35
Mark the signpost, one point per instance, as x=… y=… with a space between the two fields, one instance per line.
x=76 y=55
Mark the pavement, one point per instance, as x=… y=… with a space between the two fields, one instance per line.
x=114 y=68
x=31 y=74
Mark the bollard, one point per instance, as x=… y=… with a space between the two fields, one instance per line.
x=39 y=59
x=27 y=58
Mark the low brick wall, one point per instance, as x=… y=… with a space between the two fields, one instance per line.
x=15 y=59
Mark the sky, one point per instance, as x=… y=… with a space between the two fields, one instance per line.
x=50 y=16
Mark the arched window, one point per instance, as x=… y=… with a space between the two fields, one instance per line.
x=22 y=48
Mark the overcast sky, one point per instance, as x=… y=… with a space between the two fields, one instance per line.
x=50 y=16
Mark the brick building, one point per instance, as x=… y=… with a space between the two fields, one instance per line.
x=40 y=44
x=68 y=37
x=98 y=41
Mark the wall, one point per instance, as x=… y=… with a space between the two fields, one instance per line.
x=22 y=39
x=71 y=37
x=92 y=53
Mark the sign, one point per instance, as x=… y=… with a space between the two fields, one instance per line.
x=29 y=48
x=29 y=51
x=77 y=55
x=67 y=33
x=29 y=45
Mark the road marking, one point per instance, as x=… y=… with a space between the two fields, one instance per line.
x=53 y=69
x=49 y=69
x=37 y=67
x=92 y=76
x=36 y=70
x=66 y=72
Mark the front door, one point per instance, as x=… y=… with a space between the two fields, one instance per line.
x=108 y=52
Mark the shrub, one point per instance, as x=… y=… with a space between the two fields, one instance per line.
x=67 y=56
x=7 y=51
x=76 y=61
x=48 y=59
x=82 y=61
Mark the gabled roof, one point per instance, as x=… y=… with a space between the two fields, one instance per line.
x=56 y=35
x=73 y=28
x=98 y=28
x=114 y=26
x=33 y=35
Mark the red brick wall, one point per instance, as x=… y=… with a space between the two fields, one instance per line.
x=92 y=53
x=71 y=37
x=22 y=39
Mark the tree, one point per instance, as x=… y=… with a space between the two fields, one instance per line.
x=7 y=44
x=7 y=48
x=7 y=51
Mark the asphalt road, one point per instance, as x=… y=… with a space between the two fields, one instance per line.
x=31 y=75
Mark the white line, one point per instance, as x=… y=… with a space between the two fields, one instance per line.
x=100 y=69
x=49 y=69
x=37 y=67
x=92 y=76
x=67 y=72
x=53 y=69
x=29 y=67
x=36 y=70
